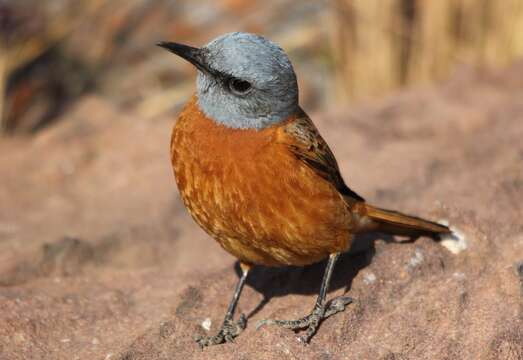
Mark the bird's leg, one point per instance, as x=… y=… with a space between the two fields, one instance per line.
x=321 y=310
x=230 y=328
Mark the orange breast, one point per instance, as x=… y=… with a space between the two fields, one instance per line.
x=253 y=196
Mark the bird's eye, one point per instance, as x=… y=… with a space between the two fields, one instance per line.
x=240 y=87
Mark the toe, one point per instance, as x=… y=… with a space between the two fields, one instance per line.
x=337 y=305
x=242 y=322
x=342 y=301
x=264 y=322
x=303 y=339
x=204 y=341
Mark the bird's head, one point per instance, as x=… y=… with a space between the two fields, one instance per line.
x=244 y=80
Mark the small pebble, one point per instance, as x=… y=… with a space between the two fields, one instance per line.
x=455 y=242
x=206 y=324
x=416 y=259
x=369 y=278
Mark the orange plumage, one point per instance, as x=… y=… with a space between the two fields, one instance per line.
x=253 y=195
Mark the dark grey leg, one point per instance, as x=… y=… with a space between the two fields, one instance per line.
x=321 y=310
x=230 y=329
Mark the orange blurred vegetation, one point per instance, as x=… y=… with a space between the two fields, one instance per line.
x=52 y=53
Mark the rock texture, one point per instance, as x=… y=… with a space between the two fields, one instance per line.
x=99 y=260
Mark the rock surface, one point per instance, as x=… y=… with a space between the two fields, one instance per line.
x=99 y=260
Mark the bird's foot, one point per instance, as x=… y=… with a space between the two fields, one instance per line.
x=229 y=330
x=312 y=321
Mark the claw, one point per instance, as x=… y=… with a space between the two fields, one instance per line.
x=229 y=338
x=227 y=333
x=311 y=321
x=242 y=321
x=303 y=339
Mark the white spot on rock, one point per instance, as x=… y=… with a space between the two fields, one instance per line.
x=455 y=242
x=443 y=222
x=416 y=259
x=206 y=324
x=369 y=278
x=459 y=275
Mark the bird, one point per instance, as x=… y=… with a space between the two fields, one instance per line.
x=254 y=173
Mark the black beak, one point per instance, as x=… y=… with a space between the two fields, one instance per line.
x=193 y=55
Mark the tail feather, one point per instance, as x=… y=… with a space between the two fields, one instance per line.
x=396 y=223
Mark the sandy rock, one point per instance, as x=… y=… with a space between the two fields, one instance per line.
x=99 y=260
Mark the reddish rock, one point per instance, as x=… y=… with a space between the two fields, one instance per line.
x=99 y=260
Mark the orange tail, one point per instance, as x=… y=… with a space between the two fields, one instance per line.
x=396 y=223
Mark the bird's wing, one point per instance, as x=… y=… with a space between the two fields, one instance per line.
x=306 y=143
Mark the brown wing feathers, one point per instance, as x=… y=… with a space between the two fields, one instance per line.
x=307 y=145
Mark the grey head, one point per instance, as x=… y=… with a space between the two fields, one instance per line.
x=244 y=80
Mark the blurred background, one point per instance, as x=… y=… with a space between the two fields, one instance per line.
x=52 y=53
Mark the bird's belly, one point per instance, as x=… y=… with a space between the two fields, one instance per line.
x=267 y=209
x=253 y=196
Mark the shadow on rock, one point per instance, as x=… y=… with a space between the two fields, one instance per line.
x=306 y=280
